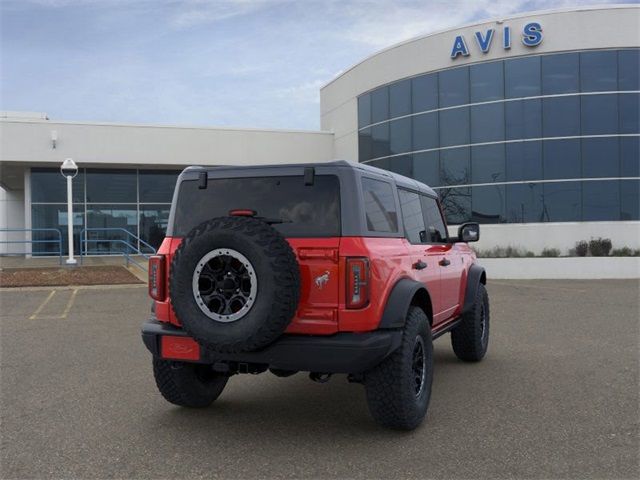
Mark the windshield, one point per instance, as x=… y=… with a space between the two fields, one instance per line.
x=302 y=210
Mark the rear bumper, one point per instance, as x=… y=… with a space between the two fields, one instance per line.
x=339 y=353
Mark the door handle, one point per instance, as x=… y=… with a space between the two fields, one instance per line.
x=419 y=265
x=444 y=262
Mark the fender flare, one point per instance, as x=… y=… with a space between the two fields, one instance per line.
x=399 y=301
x=475 y=277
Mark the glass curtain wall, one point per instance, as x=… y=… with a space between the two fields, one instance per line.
x=542 y=138
x=117 y=206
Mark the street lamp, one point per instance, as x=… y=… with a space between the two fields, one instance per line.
x=69 y=169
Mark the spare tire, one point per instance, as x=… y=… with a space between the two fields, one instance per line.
x=234 y=284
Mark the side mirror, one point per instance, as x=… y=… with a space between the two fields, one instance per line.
x=469 y=232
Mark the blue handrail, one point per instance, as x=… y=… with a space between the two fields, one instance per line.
x=130 y=249
x=31 y=241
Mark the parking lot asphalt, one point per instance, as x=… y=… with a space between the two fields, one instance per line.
x=556 y=397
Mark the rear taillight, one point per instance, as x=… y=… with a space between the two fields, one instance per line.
x=156 y=277
x=357 y=282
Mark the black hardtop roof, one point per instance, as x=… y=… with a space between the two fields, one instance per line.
x=400 y=180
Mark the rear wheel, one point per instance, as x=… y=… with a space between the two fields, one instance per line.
x=399 y=388
x=470 y=339
x=188 y=384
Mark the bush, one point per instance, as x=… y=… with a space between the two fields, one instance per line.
x=550 y=252
x=600 y=247
x=582 y=248
x=504 y=252
x=625 y=252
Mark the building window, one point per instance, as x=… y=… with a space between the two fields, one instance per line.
x=487 y=164
x=487 y=123
x=561 y=116
x=364 y=110
x=454 y=87
x=600 y=157
x=523 y=161
x=454 y=166
x=426 y=168
x=49 y=186
x=560 y=73
x=561 y=202
x=380 y=105
x=599 y=71
x=454 y=127
x=400 y=135
x=487 y=204
x=600 y=200
x=522 y=77
x=115 y=186
x=425 y=131
x=424 y=92
x=561 y=159
x=400 y=99
x=599 y=114
x=487 y=82
x=523 y=119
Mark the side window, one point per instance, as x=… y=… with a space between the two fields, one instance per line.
x=380 y=206
x=412 y=216
x=436 y=231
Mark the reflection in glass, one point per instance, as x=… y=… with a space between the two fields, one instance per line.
x=561 y=202
x=412 y=216
x=116 y=218
x=400 y=99
x=425 y=131
x=522 y=77
x=454 y=127
x=364 y=110
x=524 y=203
x=561 y=116
x=487 y=123
x=601 y=200
x=630 y=200
x=380 y=104
x=629 y=112
x=426 y=168
x=400 y=135
x=560 y=73
x=523 y=119
x=117 y=186
x=379 y=205
x=48 y=185
x=487 y=82
x=599 y=71
x=487 y=204
x=54 y=216
x=401 y=165
x=630 y=156
x=153 y=224
x=523 y=161
x=380 y=140
x=561 y=159
x=454 y=166
x=456 y=204
x=365 y=145
x=487 y=164
x=629 y=69
x=454 y=87
x=156 y=186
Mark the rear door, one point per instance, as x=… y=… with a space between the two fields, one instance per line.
x=425 y=257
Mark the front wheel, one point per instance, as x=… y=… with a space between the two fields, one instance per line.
x=188 y=384
x=399 y=388
x=470 y=339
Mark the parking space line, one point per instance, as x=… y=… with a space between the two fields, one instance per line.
x=69 y=303
x=42 y=305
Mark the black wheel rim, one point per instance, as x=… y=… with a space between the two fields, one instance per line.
x=418 y=367
x=483 y=325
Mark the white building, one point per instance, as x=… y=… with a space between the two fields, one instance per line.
x=527 y=124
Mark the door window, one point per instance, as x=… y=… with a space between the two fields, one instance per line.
x=436 y=230
x=412 y=216
x=380 y=206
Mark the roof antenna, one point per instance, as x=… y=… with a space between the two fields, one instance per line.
x=202 y=180
x=309 y=175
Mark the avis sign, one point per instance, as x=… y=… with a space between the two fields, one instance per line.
x=531 y=37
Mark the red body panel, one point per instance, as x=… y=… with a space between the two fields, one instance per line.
x=322 y=309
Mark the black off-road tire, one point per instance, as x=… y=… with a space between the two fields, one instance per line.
x=391 y=385
x=278 y=283
x=188 y=384
x=470 y=339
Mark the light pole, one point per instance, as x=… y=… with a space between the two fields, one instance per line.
x=69 y=169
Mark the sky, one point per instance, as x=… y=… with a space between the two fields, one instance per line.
x=242 y=63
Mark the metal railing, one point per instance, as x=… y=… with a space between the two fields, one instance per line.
x=131 y=243
x=31 y=241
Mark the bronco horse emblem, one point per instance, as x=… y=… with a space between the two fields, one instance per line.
x=322 y=280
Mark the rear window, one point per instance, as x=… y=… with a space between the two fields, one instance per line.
x=305 y=210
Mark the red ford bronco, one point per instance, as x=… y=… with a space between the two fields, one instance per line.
x=323 y=268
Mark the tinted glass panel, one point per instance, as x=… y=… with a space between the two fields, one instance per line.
x=523 y=161
x=306 y=210
x=629 y=112
x=561 y=159
x=380 y=206
x=628 y=70
x=599 y=114
x=52 y=216
x=454 y=87
x=425 y=131
x=487 y=164
x=487 y=123
x=600 y=157
x=523 y=119
x=426 y=168
x=436 y=231
x=116 y=218
x=598 y=71
x=524 y=203
x=153 y=224
x=401 y=164
x=601 y=200
x=487 y=204
x=380 y=140
x=561 y=116
x=454 y=166
x=560 y=73
x=630 y=156
x=157 y=186
x=456 y=203
x=630 y=200
x=522 y=77
x=48 y=185
x=115 y=186
x=454 y=127
x=380 y=104
x=425 y=92
x=562 y=202
x=412 y=216
x=400 y=98
x=364 y=110
x=365 y=144
x=487 y=82
x=400 y=135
